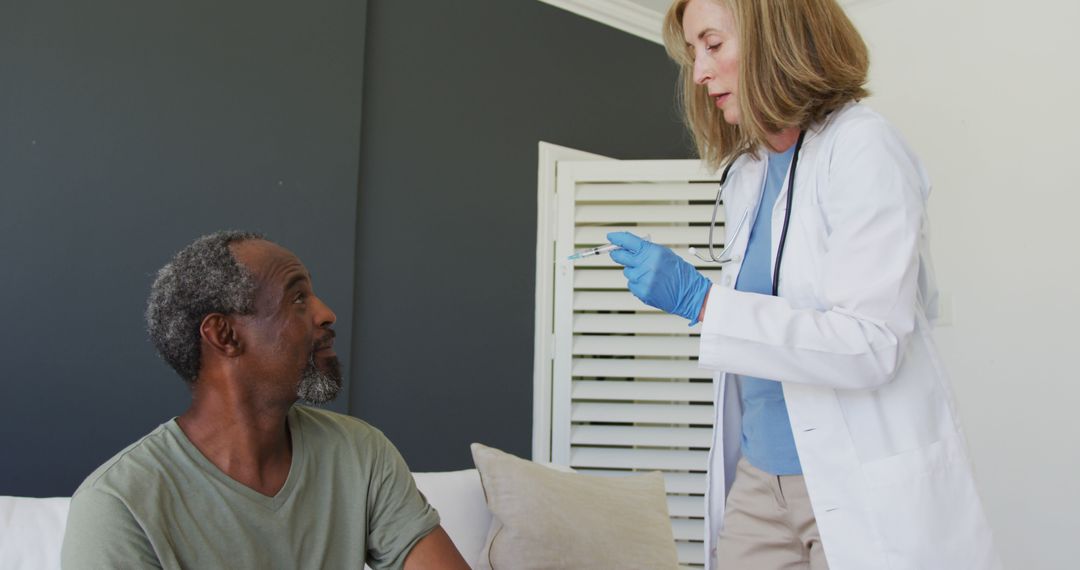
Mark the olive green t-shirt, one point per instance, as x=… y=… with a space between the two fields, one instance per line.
x=349 y=500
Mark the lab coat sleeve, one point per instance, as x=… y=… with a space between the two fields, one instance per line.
x=873 y=203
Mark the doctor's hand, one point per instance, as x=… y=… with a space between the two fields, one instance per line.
x=659 y=277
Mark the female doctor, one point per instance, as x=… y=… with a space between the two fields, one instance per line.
x=836 y=442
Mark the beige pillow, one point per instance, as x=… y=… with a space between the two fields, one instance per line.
x=550 y=520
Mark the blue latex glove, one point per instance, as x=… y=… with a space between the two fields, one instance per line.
x=659 y=277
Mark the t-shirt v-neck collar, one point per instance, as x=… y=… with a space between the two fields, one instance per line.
x=211 y=470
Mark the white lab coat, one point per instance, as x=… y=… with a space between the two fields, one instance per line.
x=849 y=336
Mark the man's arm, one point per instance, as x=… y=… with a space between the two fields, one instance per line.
x=435 y=552
x=403 y=528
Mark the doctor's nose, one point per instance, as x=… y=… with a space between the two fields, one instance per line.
x=702 y=72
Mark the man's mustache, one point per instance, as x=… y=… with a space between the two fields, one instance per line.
x=326 y=341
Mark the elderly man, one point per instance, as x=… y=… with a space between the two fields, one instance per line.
x=245 y=478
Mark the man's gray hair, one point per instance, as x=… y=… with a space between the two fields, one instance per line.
x=202 y=278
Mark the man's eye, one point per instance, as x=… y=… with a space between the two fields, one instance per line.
x=300 y=298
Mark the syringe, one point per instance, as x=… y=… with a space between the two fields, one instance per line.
x=593 y=251
x=598 y=250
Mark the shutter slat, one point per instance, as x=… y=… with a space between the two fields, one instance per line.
x=644 y=171
x=590 y=236
x=635 y=345
x=643 y=214
x=636 y=435
x=673 y=191
x=599 y=279
x=638 y=368
x=673 y=459
x=688 y=529
x=641 y=413
x=609 y=301
x=691 y=552
x=654 y=391
x=643 y=324
x=679 y=506
x=613 y=278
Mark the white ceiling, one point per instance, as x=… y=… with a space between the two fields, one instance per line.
x=658 y=6
x=639 y=17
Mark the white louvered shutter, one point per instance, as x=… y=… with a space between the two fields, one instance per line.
x=626 y=393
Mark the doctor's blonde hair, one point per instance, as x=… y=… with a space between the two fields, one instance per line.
x=799 y=60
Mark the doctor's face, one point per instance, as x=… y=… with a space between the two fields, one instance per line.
x=709 y=31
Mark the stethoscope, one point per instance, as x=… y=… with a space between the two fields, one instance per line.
x=725 y=256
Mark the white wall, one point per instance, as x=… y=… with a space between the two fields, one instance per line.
x=987 y=92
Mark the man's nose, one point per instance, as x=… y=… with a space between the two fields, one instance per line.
x=325 y=314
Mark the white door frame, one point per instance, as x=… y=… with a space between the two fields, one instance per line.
x=546 y=204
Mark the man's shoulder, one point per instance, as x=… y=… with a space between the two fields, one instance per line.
x=330 y=417
x=106 y=522
x=135 y=465
x=334 y=425
x=357 y=448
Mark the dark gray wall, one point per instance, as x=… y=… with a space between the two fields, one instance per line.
x=127 y=129
x=457 y=94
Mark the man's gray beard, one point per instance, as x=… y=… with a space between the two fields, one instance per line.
x=320 y=386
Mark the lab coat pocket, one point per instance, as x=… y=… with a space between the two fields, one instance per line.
x=925 y=505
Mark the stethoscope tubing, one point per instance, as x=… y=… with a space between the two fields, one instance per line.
x=787 y=215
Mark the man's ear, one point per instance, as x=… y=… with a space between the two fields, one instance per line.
x=217 y=331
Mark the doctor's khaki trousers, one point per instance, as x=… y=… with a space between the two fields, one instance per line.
x=769 y=524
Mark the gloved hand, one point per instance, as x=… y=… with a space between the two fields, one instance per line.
x=659 y=277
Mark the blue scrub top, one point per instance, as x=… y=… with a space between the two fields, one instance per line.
x=767 y=442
